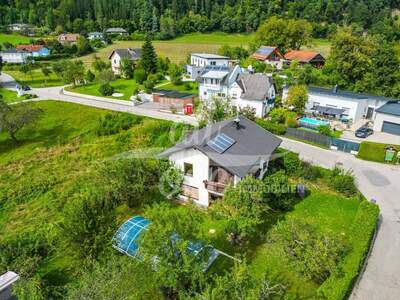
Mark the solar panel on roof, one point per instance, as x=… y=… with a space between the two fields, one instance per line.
x=221 y=143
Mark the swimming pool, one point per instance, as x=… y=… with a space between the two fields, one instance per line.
x=312 y=123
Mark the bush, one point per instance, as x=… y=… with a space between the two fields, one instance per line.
x=113 y=123
x=106 y=89
x=340 y=284
x=343 y=181
x=140 y=76
x=274 y=128
x=148 y=85
x=292 y=164
x=311 y=172
x=278 y=192
x=324 y=130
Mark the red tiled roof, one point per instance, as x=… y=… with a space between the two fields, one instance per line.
x=30 y=48
x=69 y=37
x=301 y=56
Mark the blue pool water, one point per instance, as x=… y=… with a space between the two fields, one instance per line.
x=312 y=122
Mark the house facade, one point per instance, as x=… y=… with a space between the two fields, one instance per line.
x=387 y=118
x=35 y=50
x=118 y=55
x=269 y=55
x=305 y=57
x=95 y=36
x=198 y=61
x=220 y=154
x=178 y=100
x=14 y=56
x=256 y=91
x=68 y=38
x=116 y=31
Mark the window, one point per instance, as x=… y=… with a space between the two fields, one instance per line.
x=213 y=63
x=188 y=169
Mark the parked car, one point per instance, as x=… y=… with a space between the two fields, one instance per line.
x=26 y=88
x=364 y=132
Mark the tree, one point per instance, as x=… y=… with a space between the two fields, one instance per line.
x=106 y=76
x=244 y=207
x=140 y=76
x=167 y=238
x=83 y=46
x=14 y=117
x=127 y=68
x=297 y=98
x=99 y=65
x=175 y=73
x=89 y=77
x=214 y=110
x=149 y=57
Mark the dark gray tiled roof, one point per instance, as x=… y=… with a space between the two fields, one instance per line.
x=133 y=54
x=390 y=108
x=254 y=86
x=252 y=145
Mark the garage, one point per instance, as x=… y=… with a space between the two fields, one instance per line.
x=387 y=118
x=391 y=128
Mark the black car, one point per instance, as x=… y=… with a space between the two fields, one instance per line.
x=26 y=88
x=364 y=132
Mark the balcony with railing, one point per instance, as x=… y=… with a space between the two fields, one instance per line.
x=215 y=187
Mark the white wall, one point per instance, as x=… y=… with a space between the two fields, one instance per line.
x=17 y=58
x=201 y=167
x=202 y=62
x=380 y=118
x=115 y=63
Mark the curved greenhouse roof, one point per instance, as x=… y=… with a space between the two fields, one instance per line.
x=125 y=239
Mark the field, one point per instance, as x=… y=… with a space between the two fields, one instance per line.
x=57 y=155
x=35 y=78
x=14 y=39
x=322 y=46
x=178 y=49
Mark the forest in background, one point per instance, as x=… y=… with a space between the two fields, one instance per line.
x=172 y=17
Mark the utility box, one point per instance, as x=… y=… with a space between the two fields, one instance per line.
x=6 y=282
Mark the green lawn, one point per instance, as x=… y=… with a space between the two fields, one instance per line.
x=234 y=39
x=374 y=151
x=36 y=78
x=124 y=86
x=14 y=39
x=10 y=96
x=188 y=87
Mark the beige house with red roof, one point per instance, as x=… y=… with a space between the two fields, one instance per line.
x=68 y=38
x=305 y=57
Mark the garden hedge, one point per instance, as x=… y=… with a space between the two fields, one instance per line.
x=340 y=284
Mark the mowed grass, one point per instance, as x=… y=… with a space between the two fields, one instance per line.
x=123 y=86
x=374 y=151
x=322 y=46
x=187 y=87
x=178 y=49
x=10 y=96
x=35 y=78
x=14 y=39
x=329 y=213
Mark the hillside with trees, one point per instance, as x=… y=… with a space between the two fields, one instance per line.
x=172 y=17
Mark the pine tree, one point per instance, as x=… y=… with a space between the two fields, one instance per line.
x=149 y=57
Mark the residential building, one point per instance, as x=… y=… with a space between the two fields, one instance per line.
x=35 y=50
x=305 y=57
x=387 y=118
x=116 y=31
x=256 y=91
x=198 y=61
x=68 y=38
x=95 y=36
x=220 y=154
x=344 y=105
x=18 y=27
x=182 y=102
x=269 y=55
x=119 y=54
x=14 y=56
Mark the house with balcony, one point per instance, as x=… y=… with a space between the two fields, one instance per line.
x=269 y=55
x=198 y=61
x=243 y=89
x=221 y=154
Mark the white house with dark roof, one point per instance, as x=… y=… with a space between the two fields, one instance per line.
x=198 y=61
x=387 y=118
x=116 y=31
x=118 y=55
x=95 y=35
x=14 y=56
x=220 y=154
x=256 y=91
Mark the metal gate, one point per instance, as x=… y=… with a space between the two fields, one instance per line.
x=345 y=145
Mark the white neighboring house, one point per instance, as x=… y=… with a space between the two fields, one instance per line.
x=387 y=118
x=18 y=27
x=219 y=154
x=95 y=36
x=118 y=54
x=256 y=91
x=342 y=104
x=14 y=56
x=116 y=31
x=200 y=60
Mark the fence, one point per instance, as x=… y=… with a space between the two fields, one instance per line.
x=323 y=140
x=309 y=136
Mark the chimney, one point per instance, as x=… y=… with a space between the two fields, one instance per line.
x=237 y=122
x=335 y=88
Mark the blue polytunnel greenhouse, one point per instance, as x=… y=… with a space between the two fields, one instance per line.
x=127 y=236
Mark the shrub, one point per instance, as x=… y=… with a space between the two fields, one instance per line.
x=140 y=76
x=340 y=284
x=292 y=164
x=148 y=85
x=292 y=123
x=310 y=172
x=324 y=130
x=343 y=181
x=187 y=86
x=113 y=123
x=278 y=192
x=89 y=76
x=274 y=128
x=106 y=89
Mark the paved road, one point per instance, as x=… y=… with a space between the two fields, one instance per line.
x=54 y=93
x=381 y=279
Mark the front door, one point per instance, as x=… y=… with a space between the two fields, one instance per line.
x=370 y=112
